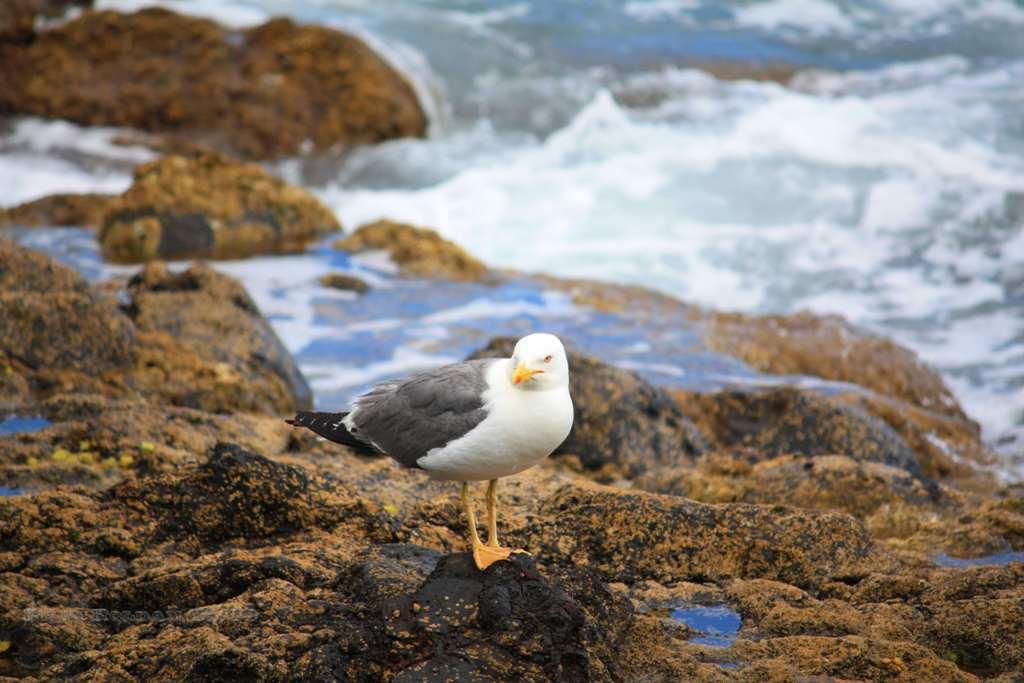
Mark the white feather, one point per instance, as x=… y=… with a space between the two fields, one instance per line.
x=521 y=429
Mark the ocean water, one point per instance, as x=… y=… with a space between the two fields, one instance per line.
x=885 y=182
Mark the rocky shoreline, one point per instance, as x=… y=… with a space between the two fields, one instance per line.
x=159 y=520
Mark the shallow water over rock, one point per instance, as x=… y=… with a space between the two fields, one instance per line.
x=993 y=560
x=717 y=624
x=21 y=425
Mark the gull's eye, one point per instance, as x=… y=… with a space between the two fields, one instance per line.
x=547 y=359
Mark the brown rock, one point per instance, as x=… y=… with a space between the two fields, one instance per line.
x=259 y=93
x=630 y=536
x=419 y=252
x=18 y=17
x=237 y=494
x=209 y=207
x=345 y=282
x=25 y=270
x=95 y=442
x=831 y=348
x=242 y=363
x=245 y=564
x=903 y=511
x=790 y=421
x=848 y=657
x=193 y=339
x=622 y=425
x=64 y=329
x=86 y=210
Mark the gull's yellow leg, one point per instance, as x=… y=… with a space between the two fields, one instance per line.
x=492 y=513
x=483 y=555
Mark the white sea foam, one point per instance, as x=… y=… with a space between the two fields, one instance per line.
x=818 y=16
x=236 y=14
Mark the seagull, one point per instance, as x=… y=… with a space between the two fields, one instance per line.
x=478 y=420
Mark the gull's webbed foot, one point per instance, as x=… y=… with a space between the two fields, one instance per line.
x=486 y=555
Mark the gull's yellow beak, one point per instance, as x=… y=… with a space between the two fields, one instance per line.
x=523 y=373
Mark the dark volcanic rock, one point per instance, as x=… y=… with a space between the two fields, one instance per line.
x=622 y=425
x=790 y=421
x=258 y=93
x=208 y=206
x=419 y=252
x=507 y=623
x=218 y=321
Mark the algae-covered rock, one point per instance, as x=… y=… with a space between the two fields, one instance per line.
x=85 y=210
x=831 y=348
x=192 y=339
x=49 y=318
x=622 y=425
x=419 y=252
x=208 y=206
x=214 y=318
x=258 y=93
x=238 y=494
x=790 y=421
x=293 y=568
x=630 y=536
x=96 y=441
x=25 y=270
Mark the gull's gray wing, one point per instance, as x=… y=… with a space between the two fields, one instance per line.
x=408 y=418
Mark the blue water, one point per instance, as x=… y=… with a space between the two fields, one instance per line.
x=717 y=625
x=986 y=561
x=20 y=425
x=8 y=491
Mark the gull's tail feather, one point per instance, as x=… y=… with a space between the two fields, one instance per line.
x=332 y=427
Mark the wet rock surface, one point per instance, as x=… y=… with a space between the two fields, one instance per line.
x=417 y=251
x=258 y=93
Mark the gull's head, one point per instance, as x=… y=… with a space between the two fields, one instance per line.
x=539 y=362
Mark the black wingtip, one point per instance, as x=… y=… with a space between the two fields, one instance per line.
x=291 y=421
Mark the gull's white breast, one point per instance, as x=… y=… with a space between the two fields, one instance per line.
x=522 y=428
